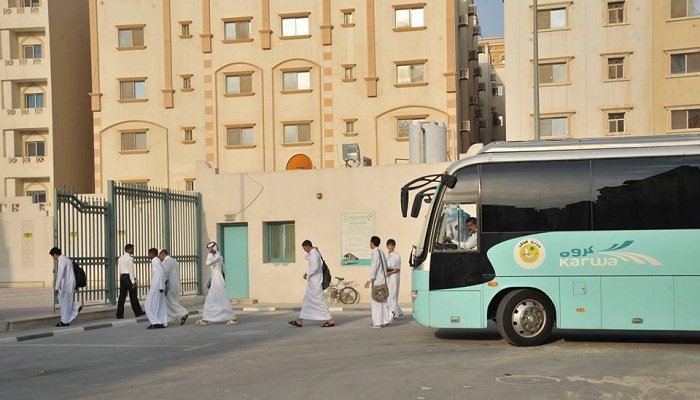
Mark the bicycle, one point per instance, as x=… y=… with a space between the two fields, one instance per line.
x=343 y=291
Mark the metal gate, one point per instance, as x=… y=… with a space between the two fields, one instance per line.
x=93 y=231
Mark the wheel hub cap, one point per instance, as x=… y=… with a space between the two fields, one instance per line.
x=529 y=318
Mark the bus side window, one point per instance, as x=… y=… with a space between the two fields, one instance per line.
x=454 y=232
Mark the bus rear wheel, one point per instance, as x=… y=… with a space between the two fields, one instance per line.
x=525 y=317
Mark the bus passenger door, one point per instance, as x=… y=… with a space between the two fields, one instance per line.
x=580 y=306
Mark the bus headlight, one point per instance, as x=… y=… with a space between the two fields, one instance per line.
x=414 y=295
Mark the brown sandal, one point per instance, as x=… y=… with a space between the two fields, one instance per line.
x=295 y=323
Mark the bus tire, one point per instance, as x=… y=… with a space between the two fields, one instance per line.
x=525 y=317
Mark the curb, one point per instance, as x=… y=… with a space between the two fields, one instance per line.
x=407 y=310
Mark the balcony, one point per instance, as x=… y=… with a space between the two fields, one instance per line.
x=12 y=17
x=26 y=166
x=37 y=68
x=25 y=118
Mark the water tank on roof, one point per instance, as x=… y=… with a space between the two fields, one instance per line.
x=427 y=142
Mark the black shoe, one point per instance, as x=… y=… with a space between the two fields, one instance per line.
x=183 y=319
x=62 y=324
x=122 y=317
x=151 y=327
x=156 y=326
x=80 y=309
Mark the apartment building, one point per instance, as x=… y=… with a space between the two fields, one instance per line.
x=492 y=91
x=607 y=67
x=45 y=120
x=260 y=85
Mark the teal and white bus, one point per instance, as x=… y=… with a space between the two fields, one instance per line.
x=584 y=234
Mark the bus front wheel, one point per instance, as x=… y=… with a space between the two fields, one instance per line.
x=525 y=317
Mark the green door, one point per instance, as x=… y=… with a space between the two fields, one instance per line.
x=235 y=253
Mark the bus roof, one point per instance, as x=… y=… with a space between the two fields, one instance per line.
x=582 y=149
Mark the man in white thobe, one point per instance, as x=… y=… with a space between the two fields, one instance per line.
x=217 y=304
x=381 y=316
x=171 y=268
x=314 y=306
x=65 y=288
x=471 y=242
x=393 y=273
x=156 y=310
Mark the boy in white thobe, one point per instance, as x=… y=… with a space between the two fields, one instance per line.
x=393 y=273
x=314 y=306
x=65 y=288
x=380 y=310
x=156 y=310
x=171 y=268
x=217 y=304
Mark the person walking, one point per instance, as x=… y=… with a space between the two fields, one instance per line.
x=393 y=274
x=217 y=305
x=380 y=310
x=171 y=268
x=156 y=310
x=314 y=306
x=65 y=288
x=127 y=283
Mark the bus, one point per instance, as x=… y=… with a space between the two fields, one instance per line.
x=578 y=234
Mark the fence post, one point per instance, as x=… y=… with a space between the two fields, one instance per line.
x=56 y=227
x=198 y=246
x=110 y=244
x=166 y=221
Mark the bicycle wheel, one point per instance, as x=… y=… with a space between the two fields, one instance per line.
x=333 y=294
x=348 y=295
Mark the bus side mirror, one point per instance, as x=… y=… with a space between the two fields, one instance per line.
x=417 y=202
x=404 y=202
x=448 y=180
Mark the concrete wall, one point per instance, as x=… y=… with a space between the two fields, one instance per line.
x=255 y=198
x=26 y=235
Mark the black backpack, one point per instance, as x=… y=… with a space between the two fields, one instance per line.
x=326 y=275
x=80 y=276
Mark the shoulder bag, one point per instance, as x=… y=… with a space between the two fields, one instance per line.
x=380 y=292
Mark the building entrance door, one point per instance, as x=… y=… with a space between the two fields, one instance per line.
x=235 y=253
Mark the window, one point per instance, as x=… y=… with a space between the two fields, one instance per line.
x=34 y=100
x=497 y=90
x=240 y=136
x=348 y=72
x=132 y=89
x=186 y=82
x=559 y=199
x=685 y=119
x=189 y=185
x=646 y=193
x=237 y=30
x=136 y=184
x=38 y=196
x=30 y=3
x=295 y=26
x=134 y=141
x=616 y=12
x=348 y=20
x=296 y=80
x=404 y=125
x=31 y=51
x=553 y=73
x=279 y=242
x=407 y=74
x=685 y=63
x=551 y=19
x=189 y=134
x=409 y=17
x=350 y=126
x=557 y=127
x=616 y=122
x=685 y=8
x=497 y=120
x=296 y=133
x=185 y=29
x=239 y=84
x=35 y=148
x=131 y=38
x=616 y=68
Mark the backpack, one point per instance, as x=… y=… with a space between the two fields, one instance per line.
x=80 y=276
x=326 y=275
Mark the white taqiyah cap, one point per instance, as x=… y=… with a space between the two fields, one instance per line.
x=211 y=245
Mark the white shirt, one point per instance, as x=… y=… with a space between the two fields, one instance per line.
x=471 y=242
x=393 y=260
x=126 y=266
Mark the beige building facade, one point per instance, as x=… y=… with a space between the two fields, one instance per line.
x=261 y=85
x=606 y=68
x=45 y=119
x=492 y=91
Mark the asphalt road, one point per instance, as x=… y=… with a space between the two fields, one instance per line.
x=264 y=358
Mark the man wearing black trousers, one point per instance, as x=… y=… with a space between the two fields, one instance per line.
x=127 y=283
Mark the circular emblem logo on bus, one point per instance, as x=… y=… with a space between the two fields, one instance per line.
x=529 y=253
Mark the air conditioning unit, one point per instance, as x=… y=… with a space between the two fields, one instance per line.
x=481 y=49
x=473 y=100
x=40 y=159
x=26 y=159
x=366 y=161
x=471 y=9
x=478 y=113
x=464 y=73
x=463 y=20
x=493 y=78
x=473 y=56
x=13 y=160
x=482 y=86
x=482 y=123
x=465 y=126
x=477 y=31
x=477 y=71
